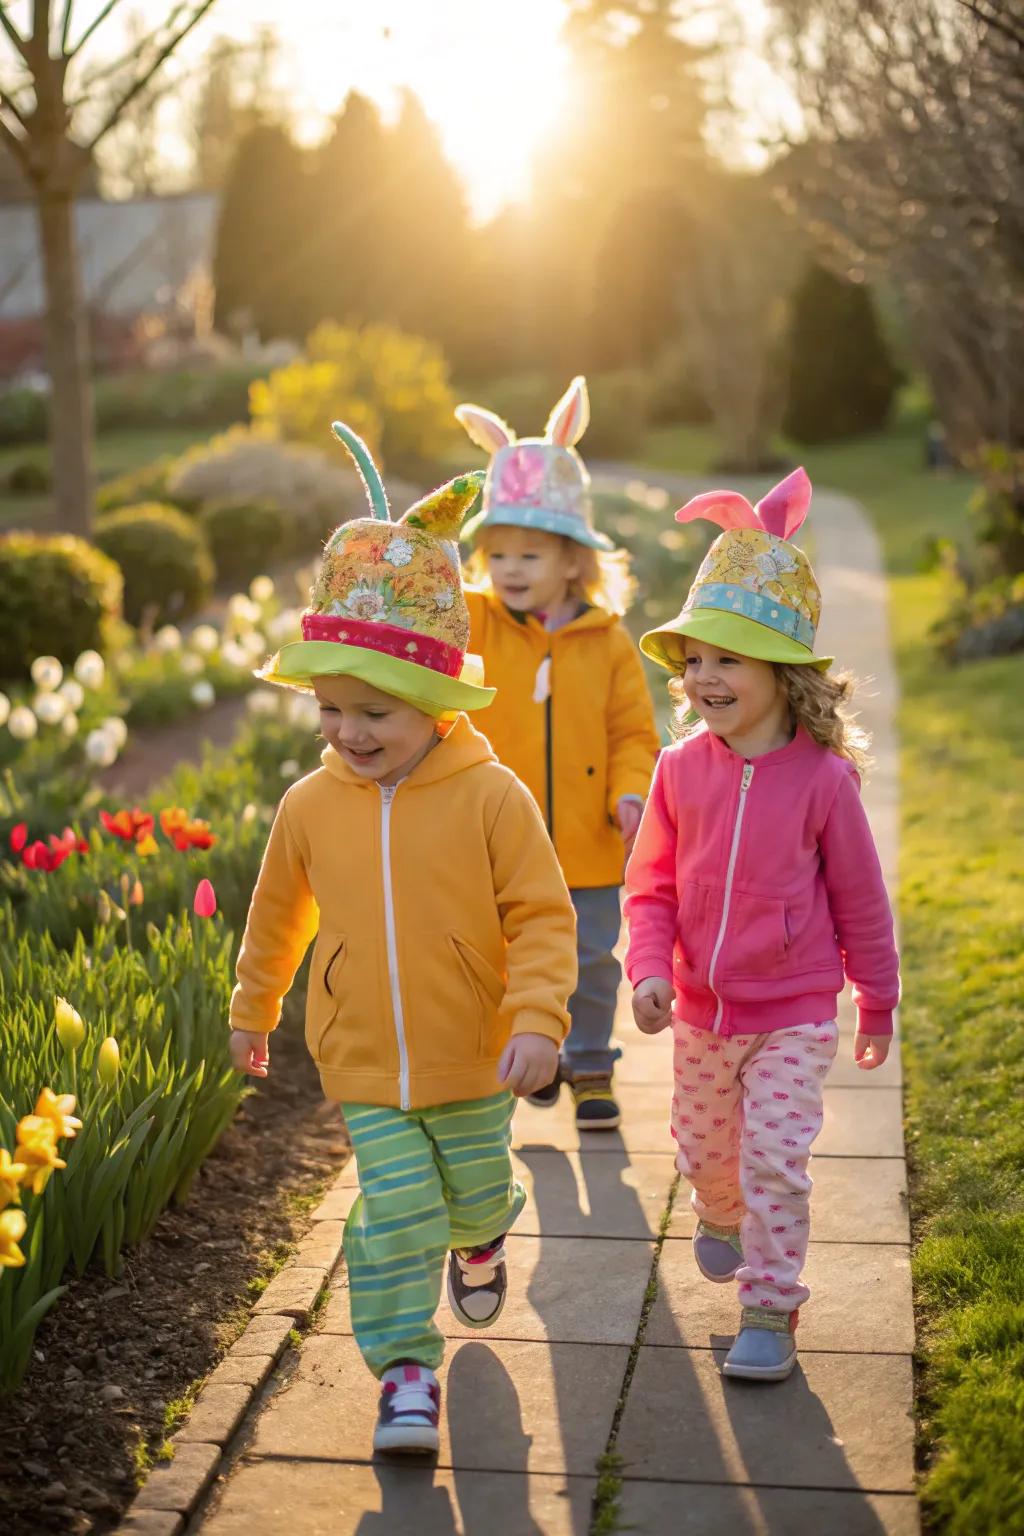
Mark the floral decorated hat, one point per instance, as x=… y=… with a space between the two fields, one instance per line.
x=536 y=482
x=387 y=605
x=755 y=593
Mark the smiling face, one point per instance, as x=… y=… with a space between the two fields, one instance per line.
x=741 y=699
x=531 y=571
x=381 y=738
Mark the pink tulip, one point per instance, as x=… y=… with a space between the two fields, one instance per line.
x=205 y=904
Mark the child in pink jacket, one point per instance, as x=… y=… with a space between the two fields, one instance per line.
x=754 y=891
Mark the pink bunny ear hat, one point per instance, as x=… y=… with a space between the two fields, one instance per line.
x=755 y=593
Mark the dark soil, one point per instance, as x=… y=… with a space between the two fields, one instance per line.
x=75 y=1439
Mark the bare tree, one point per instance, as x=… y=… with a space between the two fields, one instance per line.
x=53 y=114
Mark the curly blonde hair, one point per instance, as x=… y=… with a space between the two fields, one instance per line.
x=817 y=700
x=604 y=581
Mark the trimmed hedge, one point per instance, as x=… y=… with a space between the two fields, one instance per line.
x=163 y=555
x=60 y=597
x=244 y=538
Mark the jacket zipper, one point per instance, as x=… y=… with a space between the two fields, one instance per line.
x=745 y=782
x=549 y=767
x=387 y=797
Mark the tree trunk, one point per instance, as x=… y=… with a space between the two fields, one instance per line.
x=67 y=350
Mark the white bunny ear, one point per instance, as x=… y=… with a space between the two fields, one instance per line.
x=488 y=431
x=568 y=421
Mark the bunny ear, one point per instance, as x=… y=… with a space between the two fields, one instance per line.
x=444 y=511
x=568 y=421
x=488 y=431
x=368 y=471
x=782 y=510
x=726 y=508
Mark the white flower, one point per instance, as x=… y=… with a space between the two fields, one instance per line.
x=243 y=610
x=192 y=665
x=72 y=693
x=5 y=708
x=399 y=552
x=303 y=710
x=47 y=673
x=167 y=640
x=100 y=749
x=235 y=654
x=775 y=562
x=284 y=626
x=444 y=599
x=69 y=725
x=90 y=669
x=203 y=694
x=289 y=768
x=50 y=708
x=261 y=589
x=22 y=723
x=262 y=701
x=116 y=729
x=249 y=814
x=205 y=638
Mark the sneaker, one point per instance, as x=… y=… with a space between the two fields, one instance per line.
x=410 y=1406
x=718 y=1252
x=596 y=1106
x=547 y=1098
x=478 y=1283
x=765 y=1347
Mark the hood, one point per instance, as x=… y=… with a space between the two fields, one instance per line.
x=461 y=747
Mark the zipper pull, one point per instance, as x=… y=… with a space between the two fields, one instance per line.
x=542 y=682
x=748 y=774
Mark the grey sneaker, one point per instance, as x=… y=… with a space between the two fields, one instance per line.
x=718 y=1252
x=410 y=1407
x=478 y=1283
x=765 y=1347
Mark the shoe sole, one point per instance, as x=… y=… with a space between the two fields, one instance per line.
x=542 y=1103
x=474 y=1322
x=760 y=1373
x=407 y=1440
x=612 y=1123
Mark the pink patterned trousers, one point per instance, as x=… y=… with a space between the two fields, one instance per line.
x=745 y=1111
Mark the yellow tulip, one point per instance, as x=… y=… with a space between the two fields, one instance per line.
x=57 y=1109
x=12 y=1230
x=147 y=846
x=70 y=1029
x=109 y=1060
x=37 y=1149
x=11 y=1176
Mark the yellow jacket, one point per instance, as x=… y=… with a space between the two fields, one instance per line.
x=591 y=742
x=444 y=926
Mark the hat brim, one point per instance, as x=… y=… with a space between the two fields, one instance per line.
x=538 y=520
x=733 y=632
x=299 y=665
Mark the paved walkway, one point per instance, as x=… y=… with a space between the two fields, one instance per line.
x=578 y=1367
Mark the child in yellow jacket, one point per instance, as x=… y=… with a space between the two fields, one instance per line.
x=445 y=938
x=573 y=717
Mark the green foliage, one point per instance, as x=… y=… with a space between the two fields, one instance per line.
x=841 y=378
x=22 y=416
x=619 y=411
x=244 y=538
x=984 y=614
x=149 y=483
x=206 y=398
x=26 y=478
x=60 y=597
x=167 y=569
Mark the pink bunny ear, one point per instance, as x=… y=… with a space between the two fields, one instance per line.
x=568 y=421
x=782 y=510
x=488 y=431
x=726 y=508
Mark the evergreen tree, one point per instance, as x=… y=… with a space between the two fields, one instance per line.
x=841 y=378
x=264 y=220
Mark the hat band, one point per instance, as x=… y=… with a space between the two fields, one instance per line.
x=388 y=639
x=730 y=598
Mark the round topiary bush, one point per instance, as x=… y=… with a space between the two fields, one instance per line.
x=244 y=537
x=60 y=597
x=163 y=555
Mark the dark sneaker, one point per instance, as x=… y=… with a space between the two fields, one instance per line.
x=477 y=1283
x=596 y=1106
x=547 y=1098
x=410 y=1407
x=717 y=1252
x=765 y=1347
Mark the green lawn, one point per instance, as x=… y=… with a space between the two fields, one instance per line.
x=116 y=454
x=961 y=908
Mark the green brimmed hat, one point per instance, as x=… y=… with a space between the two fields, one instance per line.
x=536 y=482
x=387 y=605
x=755 y=592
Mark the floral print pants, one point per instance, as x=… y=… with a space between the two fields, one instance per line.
x=745 y=1111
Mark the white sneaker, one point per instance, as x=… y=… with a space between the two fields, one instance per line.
x=410 y=1407
x=478 y=1283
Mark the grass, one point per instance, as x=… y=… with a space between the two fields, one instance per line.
x=116 y=454
x=961 y=908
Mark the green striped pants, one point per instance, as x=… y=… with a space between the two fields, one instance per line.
x=429 y=1180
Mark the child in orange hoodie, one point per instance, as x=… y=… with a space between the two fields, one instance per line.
x=445 y=949
x=573 y=716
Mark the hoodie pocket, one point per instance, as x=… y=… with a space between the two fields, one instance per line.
x=757 y=939
x=692 y=942
x=488 y=991
x=325 y=992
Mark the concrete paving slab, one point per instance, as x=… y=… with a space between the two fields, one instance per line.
x=508 y=1406
x=855 y=1199
x=688 y=1509
x=840 y=1421
x=582 y=1194
x=860 y=1300
x=862 y=1122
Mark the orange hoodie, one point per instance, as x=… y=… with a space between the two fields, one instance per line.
x=444 y=926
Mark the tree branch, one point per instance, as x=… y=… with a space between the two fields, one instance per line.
x=65 y=26
x=8 y=104
x=140 y=84
x=96 y=22
x=13 y=33
x=15 y=145
x=1008 y=28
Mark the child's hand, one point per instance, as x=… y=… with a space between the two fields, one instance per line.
x=652 y=1005
x=250 y=1052
x=627 y=814
x=527 y=1063
x=869 y=1051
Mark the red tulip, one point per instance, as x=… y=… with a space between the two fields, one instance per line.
x=19 y=837
x=205 y=904
x=131 y=826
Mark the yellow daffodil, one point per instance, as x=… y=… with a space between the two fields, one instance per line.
x=12 y=1175
x=37 y=1149
x=12 y=1230
x=70 y=1029
x=57 y=1109
x=109 y=1060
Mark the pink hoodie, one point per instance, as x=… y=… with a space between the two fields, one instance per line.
x=754 y=886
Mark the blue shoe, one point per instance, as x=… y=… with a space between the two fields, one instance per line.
x=718 y=1252
x=765 y=1347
